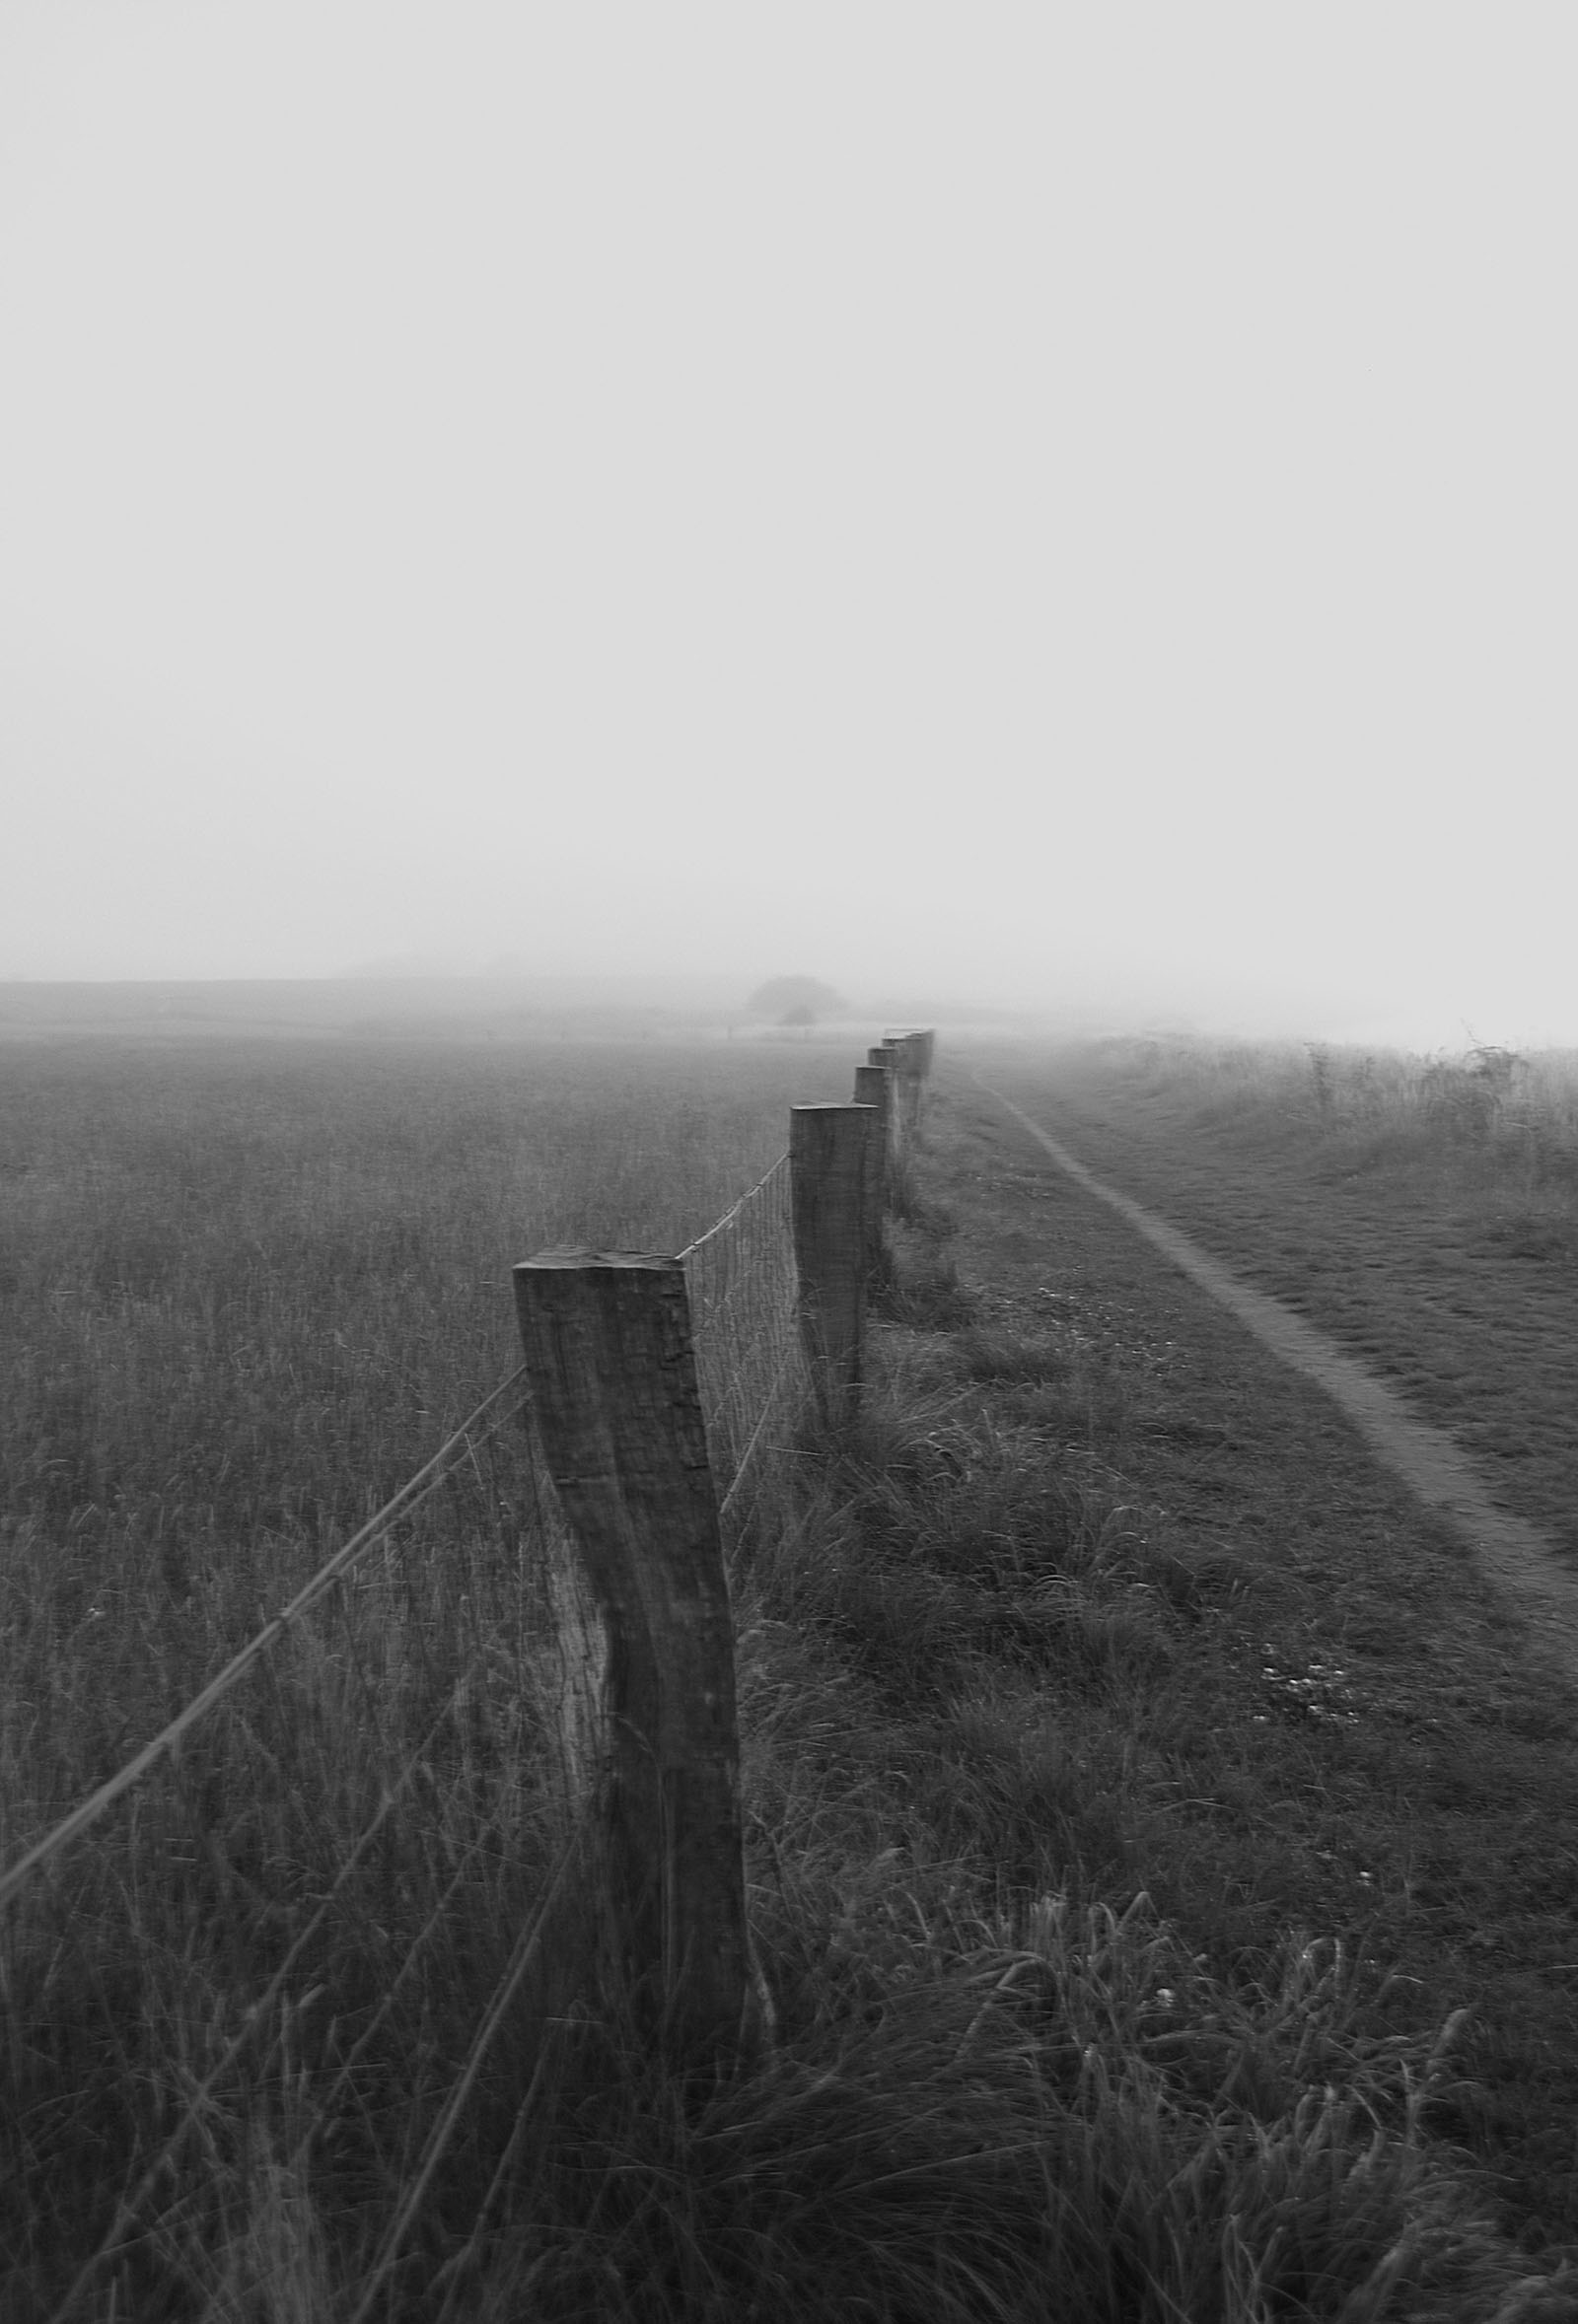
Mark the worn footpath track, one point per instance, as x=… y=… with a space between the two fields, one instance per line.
x=1425 y=1457
x=1344 y=1722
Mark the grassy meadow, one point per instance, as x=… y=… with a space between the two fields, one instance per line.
x=1072 y=2018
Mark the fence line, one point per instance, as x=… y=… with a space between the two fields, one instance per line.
x=745 y=1317
x=744 y=1289
x=616 y=1362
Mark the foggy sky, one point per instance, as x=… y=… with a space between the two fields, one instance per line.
x=1044 y=502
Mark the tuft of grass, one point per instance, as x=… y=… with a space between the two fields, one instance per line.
x=927 y=1296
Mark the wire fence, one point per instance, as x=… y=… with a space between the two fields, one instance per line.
x=379 y=1778
x=743 y=1287
x=405 y=1750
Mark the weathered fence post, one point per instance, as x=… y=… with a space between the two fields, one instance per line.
x=607 y=1337
x=827 y=1147
x=920 y=1041
x=884 y=1056
x=908 y=1068
x=874 y=1087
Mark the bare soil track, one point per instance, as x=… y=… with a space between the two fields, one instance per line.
x=1427 y=1458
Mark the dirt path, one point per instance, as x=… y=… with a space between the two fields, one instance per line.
x=1424 y=1457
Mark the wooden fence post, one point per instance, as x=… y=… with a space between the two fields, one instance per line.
x=874 y=1087
x=908 y=1068
x=909 y=1046
x=607 y=1338
x=827 y=1147
x=884 y=1056
x=921 y=1042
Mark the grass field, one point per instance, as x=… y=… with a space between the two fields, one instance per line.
x=1119 y=1970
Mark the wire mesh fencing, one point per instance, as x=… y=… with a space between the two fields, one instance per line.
x=349 y=1870
x=219 y=1964
x=751 y=1368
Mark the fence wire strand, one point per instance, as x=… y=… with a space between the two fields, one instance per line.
x=744 y=1293
x=411 y=1494
x=132 y=2204
x=487 y=2032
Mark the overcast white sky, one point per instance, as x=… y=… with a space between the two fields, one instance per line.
x=1033 y=501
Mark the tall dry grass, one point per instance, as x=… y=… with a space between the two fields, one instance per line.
x=1493 y=1126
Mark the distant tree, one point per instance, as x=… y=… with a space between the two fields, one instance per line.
x=796 y=1000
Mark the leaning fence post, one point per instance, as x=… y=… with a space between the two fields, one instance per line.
x=827 y=1147
x=612 y=1382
